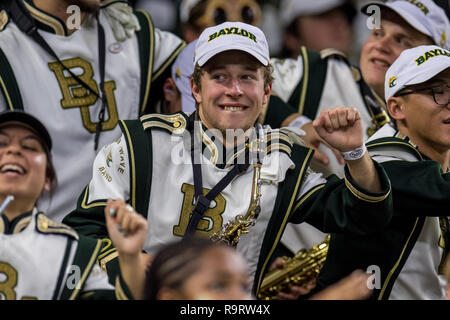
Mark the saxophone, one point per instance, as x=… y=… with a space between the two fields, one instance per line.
x=299 y=270
x=232 y=231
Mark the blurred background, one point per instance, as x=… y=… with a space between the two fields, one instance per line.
x=288 y=24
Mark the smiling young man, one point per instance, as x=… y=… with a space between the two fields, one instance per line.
x=415 y=152
x=192 y=174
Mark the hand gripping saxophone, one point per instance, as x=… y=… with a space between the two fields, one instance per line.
x=299 y=270
x=231 y=232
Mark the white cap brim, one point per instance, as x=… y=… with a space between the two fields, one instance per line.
x=202 y=60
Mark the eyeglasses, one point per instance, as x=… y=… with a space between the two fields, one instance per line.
x=219 y=11
x=441 y=94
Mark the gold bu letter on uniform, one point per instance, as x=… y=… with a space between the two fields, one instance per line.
x=77 y=96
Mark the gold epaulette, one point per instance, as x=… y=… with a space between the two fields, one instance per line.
x=45 y=225
x=279 y=140
x=4 y=19
x=330 y=52
x=174 y=123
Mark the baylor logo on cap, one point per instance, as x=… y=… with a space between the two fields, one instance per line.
x=419 y=5
x=233 y=30
x=430 y=54
x=392 y=81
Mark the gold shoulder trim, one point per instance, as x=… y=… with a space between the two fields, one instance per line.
x=4 y=19
x=330 y=52
x=174 y=123
x=45 y=225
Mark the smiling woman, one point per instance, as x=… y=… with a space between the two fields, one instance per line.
x=58 y=252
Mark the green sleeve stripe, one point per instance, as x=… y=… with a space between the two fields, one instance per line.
x=307 y=195
x=396 y=142
x=362 y=196
x=96 y=203
x=9 y=85
x=139 y=143
x=131 y=160
x=63 y=269
x=168 y=61
x=308 y=92
x=387 y=285
x=146 y=41
x=87 y=269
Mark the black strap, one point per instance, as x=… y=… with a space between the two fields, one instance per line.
x=26 y=24
x=102 y=62
x=202 y=202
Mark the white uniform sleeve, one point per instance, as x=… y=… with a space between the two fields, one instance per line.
x=166 y=44
x=97 y=280
x=110 y=173
x=287 y=73
x=312 y=179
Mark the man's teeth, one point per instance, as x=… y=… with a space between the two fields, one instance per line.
x=228 y=108
x=12 y=167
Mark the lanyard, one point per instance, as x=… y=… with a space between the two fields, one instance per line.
x=27 y=25
x=202 y=202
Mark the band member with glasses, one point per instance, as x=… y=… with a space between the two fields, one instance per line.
x=408 y=257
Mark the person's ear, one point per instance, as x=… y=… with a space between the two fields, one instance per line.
x=267 y=92
x=170 y=89
x=196 y=92
x=47 y=184
x=396 y=108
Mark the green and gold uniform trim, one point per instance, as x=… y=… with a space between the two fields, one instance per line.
x=307 y=195
x=9 y=85
x=398 y=141
x=139 y=144
x=169 y=60
x=85 y=258
x=16 y=225
x=88 y=205
x=46 y=21
x=146 y=42
x=47 y=226
x=120 y=289
x=284 y=203
x=387 y=285
x=307 y=94
x=363 y=196
x=174 y=123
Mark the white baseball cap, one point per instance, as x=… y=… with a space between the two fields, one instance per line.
x=231 y=36
x=414 y=66
x=182 y=70
x=423 y=15
x=291 y=9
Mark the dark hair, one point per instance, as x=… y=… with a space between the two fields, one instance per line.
x=50 y=171
x=174 y=263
